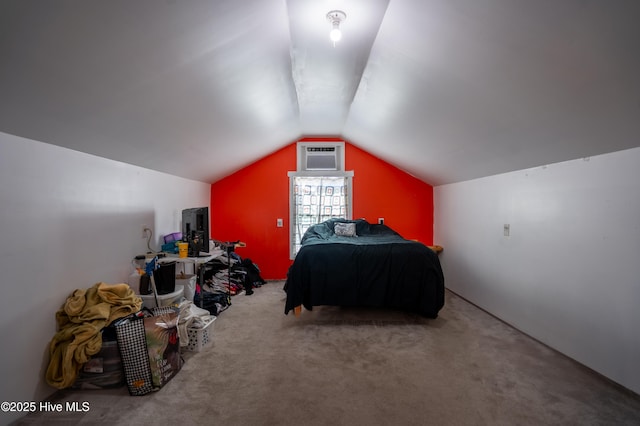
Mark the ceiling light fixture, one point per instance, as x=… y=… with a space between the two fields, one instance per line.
x=336 y=17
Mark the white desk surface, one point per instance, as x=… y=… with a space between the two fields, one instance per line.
x=197 y=260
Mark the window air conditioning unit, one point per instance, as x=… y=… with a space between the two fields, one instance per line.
x=320 y=156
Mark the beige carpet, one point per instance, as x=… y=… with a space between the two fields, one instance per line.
x=347 y=366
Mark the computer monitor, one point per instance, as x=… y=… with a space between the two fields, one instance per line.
x=195 y=228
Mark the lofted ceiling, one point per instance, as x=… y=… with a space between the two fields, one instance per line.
x=447 y=90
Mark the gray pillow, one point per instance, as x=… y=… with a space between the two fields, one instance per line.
x=345 y=229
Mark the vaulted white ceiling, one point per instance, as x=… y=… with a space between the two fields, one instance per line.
x=447 y=90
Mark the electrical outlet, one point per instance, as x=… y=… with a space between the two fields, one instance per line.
x=279 y=222
x=145 y=229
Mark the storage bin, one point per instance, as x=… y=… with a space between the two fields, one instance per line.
x=103 y=370
x=149 y=300
x=165 y=277
x=199 y=337
x=176 y=236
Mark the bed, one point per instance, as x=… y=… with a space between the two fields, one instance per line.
x=355 y=263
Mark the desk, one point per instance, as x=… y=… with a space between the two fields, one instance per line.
x=195 y=261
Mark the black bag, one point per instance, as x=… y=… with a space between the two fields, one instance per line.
x=252 y=277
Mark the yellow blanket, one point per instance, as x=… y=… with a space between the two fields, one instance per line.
x=79 y=324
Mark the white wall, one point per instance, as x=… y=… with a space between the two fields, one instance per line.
x=69 y=220
x=569 y=273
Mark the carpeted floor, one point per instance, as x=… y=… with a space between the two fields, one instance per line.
x=348 y=366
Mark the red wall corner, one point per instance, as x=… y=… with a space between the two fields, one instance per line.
x=381 y=190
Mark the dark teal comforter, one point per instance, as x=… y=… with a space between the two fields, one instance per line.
x=377 y=268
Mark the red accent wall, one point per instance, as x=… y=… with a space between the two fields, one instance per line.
x=246 y=204
x=382 y=190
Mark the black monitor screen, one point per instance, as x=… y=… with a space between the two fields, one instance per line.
x=195 y=228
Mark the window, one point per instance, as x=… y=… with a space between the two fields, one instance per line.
x=316 y=198
x=320 y=189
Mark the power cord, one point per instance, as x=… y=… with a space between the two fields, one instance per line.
x=149 y=239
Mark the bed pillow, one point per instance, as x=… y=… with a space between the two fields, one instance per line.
x=343 y=229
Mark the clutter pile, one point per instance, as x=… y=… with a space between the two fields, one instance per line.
x=171 y=242
x=223 y=277
x=115 y=334
x=79 y=325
